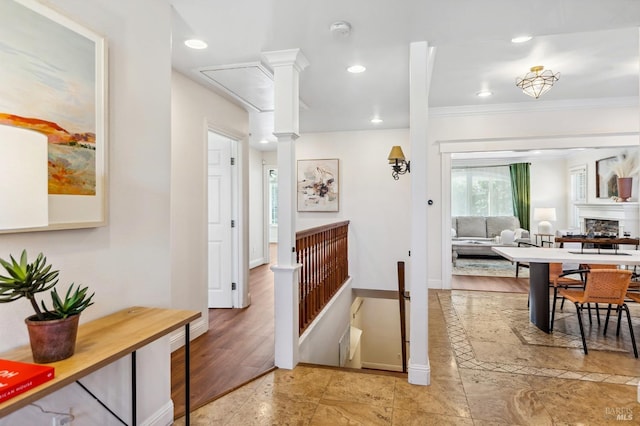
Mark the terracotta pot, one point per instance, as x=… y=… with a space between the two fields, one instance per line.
x=52 y=340
x=624 y=187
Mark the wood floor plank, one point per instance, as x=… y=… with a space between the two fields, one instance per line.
x=237 y=348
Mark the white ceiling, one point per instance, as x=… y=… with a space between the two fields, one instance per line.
x=594 y=44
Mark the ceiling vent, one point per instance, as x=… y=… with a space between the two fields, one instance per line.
x=250 y=83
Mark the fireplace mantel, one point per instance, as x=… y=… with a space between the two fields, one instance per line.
x=626 y=213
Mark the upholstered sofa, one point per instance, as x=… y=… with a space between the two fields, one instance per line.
x=483 y=230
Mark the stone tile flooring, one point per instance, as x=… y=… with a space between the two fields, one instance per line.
x=488 y=367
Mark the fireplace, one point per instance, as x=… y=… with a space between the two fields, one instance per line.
x=609 y=218
x=601 y=226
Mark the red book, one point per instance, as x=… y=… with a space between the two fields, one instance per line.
x=18 y=377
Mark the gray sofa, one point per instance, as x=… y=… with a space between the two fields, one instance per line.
x=480 y=233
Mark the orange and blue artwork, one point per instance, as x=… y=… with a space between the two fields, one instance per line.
x=47 y=84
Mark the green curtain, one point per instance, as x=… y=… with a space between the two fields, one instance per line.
x=520 y=190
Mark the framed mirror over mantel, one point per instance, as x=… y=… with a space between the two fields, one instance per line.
x=53 y=138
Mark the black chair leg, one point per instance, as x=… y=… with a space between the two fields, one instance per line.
x=553 y=311
x=606 y=321
x=633 y=338
x=517 y=269
x=597 y=313
x=584 y=341
x=619 y=308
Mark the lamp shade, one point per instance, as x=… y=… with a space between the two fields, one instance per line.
x=396 y=154
x=544 y=213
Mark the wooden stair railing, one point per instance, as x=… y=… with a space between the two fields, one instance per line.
x=323 y=253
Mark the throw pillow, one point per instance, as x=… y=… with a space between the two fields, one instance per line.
x=507 y=236
x=453 y=233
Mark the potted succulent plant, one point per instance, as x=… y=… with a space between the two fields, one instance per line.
x=52 y=332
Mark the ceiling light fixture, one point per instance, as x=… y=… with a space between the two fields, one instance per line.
x=194 y=43
x=484 y=93
x=376 y=120
x=356 y=69
x=264 y=141
x=521 y=39
x=537 y=82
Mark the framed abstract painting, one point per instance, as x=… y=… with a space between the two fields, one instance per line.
x=53 y=81
x=318 y=185
x=606 y=179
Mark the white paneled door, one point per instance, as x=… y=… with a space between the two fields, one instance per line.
x=220 y=225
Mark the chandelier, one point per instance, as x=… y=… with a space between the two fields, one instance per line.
x=537 y=82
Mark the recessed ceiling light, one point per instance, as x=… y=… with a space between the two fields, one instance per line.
x=376 y=120
x=196 y=44
x=356 y=69
x=521 y=39
x=264 y=141
x=484 y=93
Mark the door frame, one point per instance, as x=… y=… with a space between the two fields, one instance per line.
x=266 y=238
x=239 y=296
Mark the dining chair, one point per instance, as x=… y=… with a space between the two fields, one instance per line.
x=607 y=286
x=561 y=279
x=591 y=266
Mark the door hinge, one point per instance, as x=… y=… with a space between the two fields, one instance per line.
x=233 y=286
x=233 y=161
x=233 y=223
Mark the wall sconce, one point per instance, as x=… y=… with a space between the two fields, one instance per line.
x=398 y=163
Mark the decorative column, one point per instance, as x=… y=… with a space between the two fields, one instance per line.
x=420 y=66
x=287 y=65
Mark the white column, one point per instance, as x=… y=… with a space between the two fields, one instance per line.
x=420 y=69
x=287 y=65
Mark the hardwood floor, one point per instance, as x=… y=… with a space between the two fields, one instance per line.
x=503 y=284
x=238 y=347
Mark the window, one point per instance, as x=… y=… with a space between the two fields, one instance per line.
x=578 y=192
x=481 y=191
x=273 y=197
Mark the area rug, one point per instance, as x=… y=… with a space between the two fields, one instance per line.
x=487 y=267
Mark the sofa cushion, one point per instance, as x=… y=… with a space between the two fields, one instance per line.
x=497 y=224
x=472 y=226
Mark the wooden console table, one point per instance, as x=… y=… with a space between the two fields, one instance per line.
x=598 y=242
x=102 y=341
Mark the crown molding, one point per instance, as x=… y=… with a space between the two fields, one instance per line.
x=570 y=104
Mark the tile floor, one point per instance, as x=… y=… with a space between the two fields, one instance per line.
x=488 y=367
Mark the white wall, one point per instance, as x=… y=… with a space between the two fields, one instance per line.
x=127 y=262
x=256 y=209
x=549 y=188
x=193 y=110
x=319 y=344
x=381 y=334
x=375 y=203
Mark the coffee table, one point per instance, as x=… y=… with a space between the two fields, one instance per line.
x=475 y=247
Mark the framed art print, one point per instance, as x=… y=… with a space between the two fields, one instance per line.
x=318 y=185
x=606 y=179
x=53 y=81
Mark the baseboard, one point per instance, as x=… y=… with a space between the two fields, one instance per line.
x=198 y=328
x=380 y=366
x=162 y=417
x=256 y=262
x=435 y=284
x=419 y=374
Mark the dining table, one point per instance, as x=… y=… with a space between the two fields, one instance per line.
x=539 y=259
